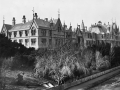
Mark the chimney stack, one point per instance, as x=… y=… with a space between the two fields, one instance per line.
x=86 y=27
x=46 y=19
x=36 y=16
x=24 y=19
x=79 y=26
x=13 y=21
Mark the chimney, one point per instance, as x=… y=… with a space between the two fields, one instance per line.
x=36 y=16
x=24 y=19
x=13 y=21
x=86 y=27
x=46 y=19
x=79 y=26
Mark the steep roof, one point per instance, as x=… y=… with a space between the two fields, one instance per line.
x=46 y=24
x=22 y=26
x=78 y=32
x=41 y=22
x=8 y=26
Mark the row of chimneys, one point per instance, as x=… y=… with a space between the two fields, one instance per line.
x=14 y=21
x=35 y=16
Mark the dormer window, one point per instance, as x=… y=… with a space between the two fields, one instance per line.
x=33 y=31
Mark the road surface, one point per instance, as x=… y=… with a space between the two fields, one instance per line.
x=93 y=82
x=111 y=84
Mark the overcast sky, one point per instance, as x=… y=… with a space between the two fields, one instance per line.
x=71 y=11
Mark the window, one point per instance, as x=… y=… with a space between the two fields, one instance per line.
x=68 y=35
x=56 y=42
x=50 y=32
x=9 y=34
x=88 y=35
x=33 y=31
x=15 y=40
x=59 y=29
x=102 y=36
x=43 y=32
x=26 y=42
x=61 y=41
x=43 y=40
x=50 y=41
x=33 y=41
x=26 y=32
x=20 y=33
x=15 y=33
x=20 y=41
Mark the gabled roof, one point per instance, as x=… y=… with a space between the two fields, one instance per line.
x=58 y=23
x=8 y=26
x=22 y=26
x=78 y=32
x=46 y=24
x=41 y=22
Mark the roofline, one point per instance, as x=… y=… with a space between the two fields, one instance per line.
x=19 y=29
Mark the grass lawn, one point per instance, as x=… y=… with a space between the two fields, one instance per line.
x=8 y=81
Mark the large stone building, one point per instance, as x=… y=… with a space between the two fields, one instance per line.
x=102 y=33
x=38 y=33
x=44 y=33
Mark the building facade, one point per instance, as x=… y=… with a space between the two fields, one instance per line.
x=37 y=33
x=44 y=33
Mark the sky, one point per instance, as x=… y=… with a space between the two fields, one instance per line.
x=71 y=11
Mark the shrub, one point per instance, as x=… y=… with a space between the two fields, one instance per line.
x=7 y=63
x=62 y=65
x=102 y=63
